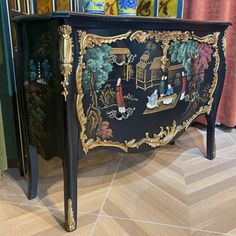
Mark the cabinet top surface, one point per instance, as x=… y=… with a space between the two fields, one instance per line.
x=120 y=19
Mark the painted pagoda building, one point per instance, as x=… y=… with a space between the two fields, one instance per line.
x=149 y=72
x=122 y=59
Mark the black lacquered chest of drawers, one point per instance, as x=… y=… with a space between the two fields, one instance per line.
x=126 y=84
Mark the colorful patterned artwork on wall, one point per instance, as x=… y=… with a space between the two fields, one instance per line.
x=44 y=6
x=63 y=5
x=13 y=4
x=170 y=8
x=146 y=7
x=111 y=7
x=23 y=6
x=167 y=8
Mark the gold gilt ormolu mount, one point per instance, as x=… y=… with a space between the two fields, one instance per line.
x=166 y=134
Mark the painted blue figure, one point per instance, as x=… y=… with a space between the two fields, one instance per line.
x=162 y=86
x=170 y=90
x=152 y=100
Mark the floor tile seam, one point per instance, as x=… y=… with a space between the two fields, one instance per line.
x=225 y=156
x=147 y=181
x=224 y=148
x=46 y=208
x=12 y=194
x=104 y=201
x=220 y=156
x=208 y=181
x=187 y=199
x=232 y=139
x=166 y=225
x=181 y=153
x=179 y=173
x=222 y=159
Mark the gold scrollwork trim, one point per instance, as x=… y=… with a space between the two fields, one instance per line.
x=209 y=39
x=160 y=36
x=160 y=139
x=215 y=79
x=89 y=41
x=70 y=221
x=100 y=143
x=165 y=136
x=224 y=43
x=165 y=37
x=66 y=55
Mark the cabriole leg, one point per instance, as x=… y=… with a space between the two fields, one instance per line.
x=32 y=172
x=210 y=137
x=70 y=166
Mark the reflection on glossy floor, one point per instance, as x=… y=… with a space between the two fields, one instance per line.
x=172 y=191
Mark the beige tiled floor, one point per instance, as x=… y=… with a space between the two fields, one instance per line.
x=172 y=191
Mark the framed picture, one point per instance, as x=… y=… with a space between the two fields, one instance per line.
x=170 y=8
x=111 y=7
x=44 y=6
x=63 y=5
x=147 y=8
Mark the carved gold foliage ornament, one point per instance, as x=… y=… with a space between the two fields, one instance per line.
x=165 y=135
x=160 y=139
x=215 y=79
x=209 y=39
x=70 y=221
x=89 y=41
x=160 y=36
x=224 y=43
x=66 y=55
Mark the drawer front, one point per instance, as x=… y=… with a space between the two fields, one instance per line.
x=139 y=89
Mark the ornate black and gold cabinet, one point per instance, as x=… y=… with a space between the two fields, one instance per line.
x=127 y=84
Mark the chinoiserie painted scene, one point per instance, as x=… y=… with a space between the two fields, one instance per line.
x=122 y=84
x=130 y=78
x=141 y=77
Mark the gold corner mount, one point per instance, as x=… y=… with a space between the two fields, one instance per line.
x=66 y=55
x=224 y=43
x=70 y=221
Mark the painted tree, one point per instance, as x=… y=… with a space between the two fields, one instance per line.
x=184 y=53
x=97 y=67
x=202 y=60
x=194 y=56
